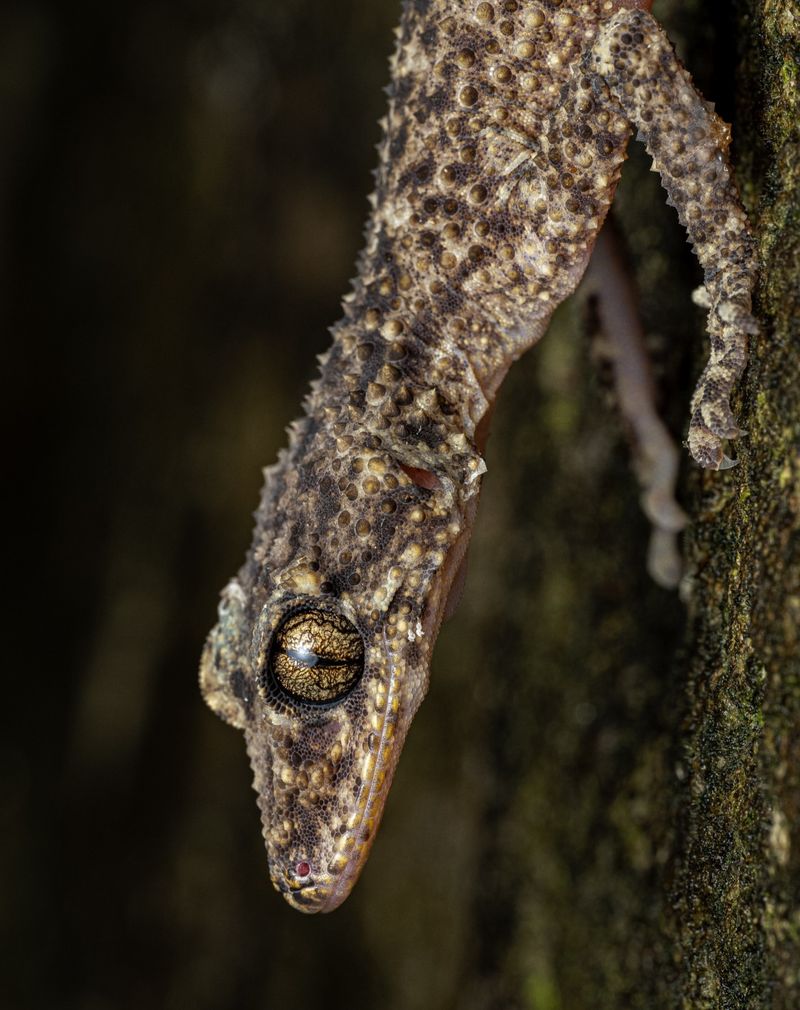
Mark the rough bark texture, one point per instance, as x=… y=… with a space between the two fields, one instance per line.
x=598 y=805
x=736 y=890
x=653 y=804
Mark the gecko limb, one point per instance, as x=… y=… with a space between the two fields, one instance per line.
x=688 y=143
x=656 y=456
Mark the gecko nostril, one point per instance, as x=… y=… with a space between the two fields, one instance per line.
x=302 y=869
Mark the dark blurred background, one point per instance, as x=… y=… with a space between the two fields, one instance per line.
x=182 y=192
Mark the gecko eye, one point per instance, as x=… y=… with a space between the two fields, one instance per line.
x=316 y=656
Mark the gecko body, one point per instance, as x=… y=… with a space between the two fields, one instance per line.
x=505 y=134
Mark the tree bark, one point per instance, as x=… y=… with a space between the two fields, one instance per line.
x=640 y=827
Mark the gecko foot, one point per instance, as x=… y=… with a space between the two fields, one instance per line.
x=712 y=421
x=706 y=447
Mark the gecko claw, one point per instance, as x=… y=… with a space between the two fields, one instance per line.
x=705 y=443
x=713 y=458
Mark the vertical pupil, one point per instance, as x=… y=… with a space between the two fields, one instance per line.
x=317 y=656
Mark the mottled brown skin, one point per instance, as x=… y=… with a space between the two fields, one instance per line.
x=506 y=130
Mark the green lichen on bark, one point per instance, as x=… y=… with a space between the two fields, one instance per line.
x=640 y=824
x=736 y=896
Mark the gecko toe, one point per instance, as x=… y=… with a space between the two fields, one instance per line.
x=726 y=428
x=705 y=447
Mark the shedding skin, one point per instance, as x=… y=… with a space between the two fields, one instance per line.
x=505 y=133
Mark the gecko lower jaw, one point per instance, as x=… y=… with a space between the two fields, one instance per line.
x=300 y=880
x=309 y=898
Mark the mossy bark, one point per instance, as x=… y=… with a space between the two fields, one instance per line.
x=736 y=892
x=640 y=843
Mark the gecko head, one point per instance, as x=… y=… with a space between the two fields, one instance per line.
x=338 y=691
x=324 y=659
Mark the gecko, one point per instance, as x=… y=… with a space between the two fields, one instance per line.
x=506 y=130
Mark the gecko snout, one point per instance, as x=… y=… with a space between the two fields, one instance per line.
x=305 y=889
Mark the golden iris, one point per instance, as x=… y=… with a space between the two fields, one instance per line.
x=317 y=656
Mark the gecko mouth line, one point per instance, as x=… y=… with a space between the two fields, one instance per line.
x=324 y=892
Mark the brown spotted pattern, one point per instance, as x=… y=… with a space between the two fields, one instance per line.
x=505 y=133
